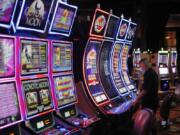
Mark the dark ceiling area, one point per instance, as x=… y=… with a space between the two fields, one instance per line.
x=150 y=15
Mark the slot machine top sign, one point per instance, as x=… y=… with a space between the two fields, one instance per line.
x=131 y=31
x=99 y=23
x=123 y=27
x=63 y=19
x=7 y=8
x=112 y=27
x=34 y=15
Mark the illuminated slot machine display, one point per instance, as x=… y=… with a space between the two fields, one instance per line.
x=66 y=98
x=33 y=15
x=109 y=62
x=163 y=62
x=109 y=67
x=63 y=19
x=129 y=36
x=7 y=10
x=109 y=70
x=10 y=107
x=125 y=74
x=91 y=76
x=116 y=69
x=36 y=87
x=173 y=66
x=104 y=69
x=69 y=106
x=105 y=56
x=99 y=24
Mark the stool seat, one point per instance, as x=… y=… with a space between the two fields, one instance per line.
x=143 y=122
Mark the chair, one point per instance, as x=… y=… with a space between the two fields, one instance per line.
x=144 y=121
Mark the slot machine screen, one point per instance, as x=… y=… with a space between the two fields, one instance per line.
x=104 y=71
x=64 y=89
x=34 y=15
x=7 y=56
x=63 y=19
x=112 y=27
x=91 y=71
x=9 y=104
x=131 y=32
x=62 y=56
x=124 y=57
x=37 y=96
x=99 y=23
x=174 y=70
x=163 y=59
x=163 y=71
x=7 y=9
x=33 y=56
x=123 y=27
x=115 y=65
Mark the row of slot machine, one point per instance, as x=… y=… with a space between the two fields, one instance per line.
x=165 y=64
x=37 y=88
x=105 y=69
x=38 y=94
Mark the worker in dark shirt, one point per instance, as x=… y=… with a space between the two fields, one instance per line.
x=148 y=96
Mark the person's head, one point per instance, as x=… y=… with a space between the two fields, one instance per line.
x=144 y=64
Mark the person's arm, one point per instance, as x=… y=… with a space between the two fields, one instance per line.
x=139 y=97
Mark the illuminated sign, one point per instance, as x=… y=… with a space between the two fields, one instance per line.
x=123 y=27
x=34 y=15
x=99 y=23
x=63 y=19
x=7 y=9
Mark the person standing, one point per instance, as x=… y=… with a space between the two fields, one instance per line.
x=148 y=96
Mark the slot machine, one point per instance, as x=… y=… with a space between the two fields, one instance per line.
x=108 y=63
x=71 y=106
x=173 y=67
x=64 y=87
x=163 y=70
x=126 y=35
x=10 y=101
x=36 y=89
